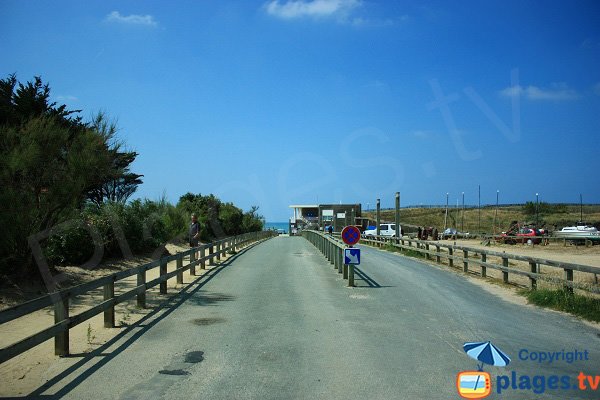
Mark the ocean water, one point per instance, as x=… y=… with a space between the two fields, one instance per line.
x=277 y=225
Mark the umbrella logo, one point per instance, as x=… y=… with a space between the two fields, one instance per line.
x=478 y=384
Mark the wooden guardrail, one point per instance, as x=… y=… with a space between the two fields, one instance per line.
x=333 y=249
x=63 y=320
x=463 y=254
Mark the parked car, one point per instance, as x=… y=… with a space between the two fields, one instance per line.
x=384 y=230
x=523 y=235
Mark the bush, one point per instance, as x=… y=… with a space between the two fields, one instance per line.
x=145 y=225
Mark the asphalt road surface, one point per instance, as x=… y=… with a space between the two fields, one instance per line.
x=278 y=322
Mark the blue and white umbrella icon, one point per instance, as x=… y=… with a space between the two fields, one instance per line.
x=487 y=353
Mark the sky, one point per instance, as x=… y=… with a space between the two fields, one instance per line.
x=278 y=102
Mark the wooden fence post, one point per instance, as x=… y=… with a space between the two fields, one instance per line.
x=141 y=297
x=61 y=340
x=219 y=250
x=465 y=261
x=163 y=272
x=345 y=274
x=351 y=275
x=427 y=255
x=179 y=264
x=483 y=267
x=533 y=268
x=109 y=313
x=202 y=255
x=505 y=273
x=192 y=260
x=569 y=277
x=437 y=255
x=211 y=251
x=450 y=259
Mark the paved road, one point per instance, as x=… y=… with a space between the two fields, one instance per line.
x=278 y=323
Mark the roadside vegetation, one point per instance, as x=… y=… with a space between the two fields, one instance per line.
x=65 y=183
x=559 y=299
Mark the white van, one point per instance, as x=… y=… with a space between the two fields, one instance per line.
x=384 y=230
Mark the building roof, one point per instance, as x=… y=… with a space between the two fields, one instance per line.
x=304 y=206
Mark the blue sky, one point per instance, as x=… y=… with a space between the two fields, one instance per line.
x=272 y=103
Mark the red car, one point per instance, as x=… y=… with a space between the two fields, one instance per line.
x=523 y=235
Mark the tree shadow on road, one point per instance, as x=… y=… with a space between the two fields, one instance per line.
x=93 y=361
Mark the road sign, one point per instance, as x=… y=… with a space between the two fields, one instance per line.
x=350 y=235
x=352 y=256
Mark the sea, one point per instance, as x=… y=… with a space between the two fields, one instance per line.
x=277 y=225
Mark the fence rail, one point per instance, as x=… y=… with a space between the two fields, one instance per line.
x=333 y=249
x=60 y=300
x=465 y=255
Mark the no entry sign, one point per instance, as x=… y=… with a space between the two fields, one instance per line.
x=350 y=235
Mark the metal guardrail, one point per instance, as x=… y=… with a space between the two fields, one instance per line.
x=333 y=249
x=63 y=321
x=452 y=253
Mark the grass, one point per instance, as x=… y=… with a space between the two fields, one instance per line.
x=404 y=252
x=562 y=300
x=506 y=214
x=90 y=334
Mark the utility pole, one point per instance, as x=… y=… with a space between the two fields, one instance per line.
x=378 y=217
x=462 y=222
x=537 y=208
x=479 y=206
x=496 y=213
x=446 y=216
x=397 y=214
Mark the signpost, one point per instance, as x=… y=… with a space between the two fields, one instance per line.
x=350 y=236
x=352 y=256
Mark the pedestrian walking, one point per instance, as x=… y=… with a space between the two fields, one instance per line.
x=194 y=232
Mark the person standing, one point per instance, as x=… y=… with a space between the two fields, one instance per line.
x=194 y=232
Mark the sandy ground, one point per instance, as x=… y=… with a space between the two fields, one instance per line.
x=28 y=371
x=555 y=251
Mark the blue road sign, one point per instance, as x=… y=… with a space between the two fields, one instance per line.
x=352 y=256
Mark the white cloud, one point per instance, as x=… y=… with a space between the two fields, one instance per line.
x=557 y=92
x=313 y=9
x=132 y=19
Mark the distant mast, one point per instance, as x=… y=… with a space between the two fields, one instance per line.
x=580 y=207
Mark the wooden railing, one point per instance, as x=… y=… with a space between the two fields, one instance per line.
x=465 y=255
x=333 y=249
x=63 y=320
